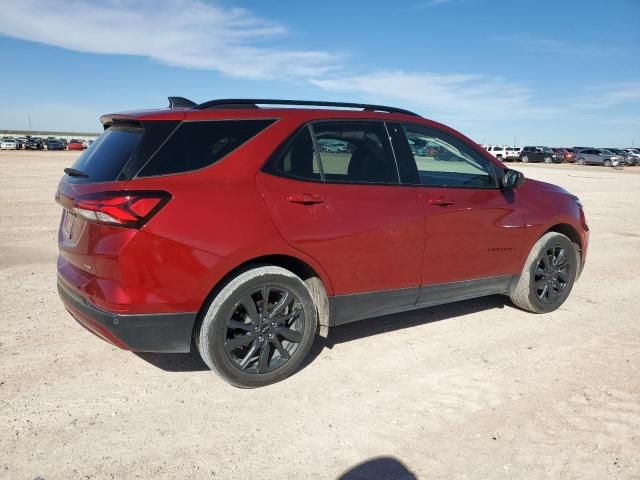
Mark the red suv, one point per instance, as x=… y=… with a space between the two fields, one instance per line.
x=246 y=227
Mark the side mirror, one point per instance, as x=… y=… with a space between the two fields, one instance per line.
x=511 y=179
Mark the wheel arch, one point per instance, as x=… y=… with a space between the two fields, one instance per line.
x=315 y=281
x=572 y=234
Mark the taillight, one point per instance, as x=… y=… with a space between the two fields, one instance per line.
x=125 y=208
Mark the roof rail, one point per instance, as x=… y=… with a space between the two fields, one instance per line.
x=253 y=103
x=181 y=102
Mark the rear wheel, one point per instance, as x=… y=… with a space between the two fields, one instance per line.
x=259 y=328
x=580 y=161
x=548 y=274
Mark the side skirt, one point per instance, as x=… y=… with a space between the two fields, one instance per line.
x=358 y=306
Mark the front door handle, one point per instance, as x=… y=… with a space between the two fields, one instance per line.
x=441 y=201
x=305 y=198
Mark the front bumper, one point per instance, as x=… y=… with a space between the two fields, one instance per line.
x=158 y=332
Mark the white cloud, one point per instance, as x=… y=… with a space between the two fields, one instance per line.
x=185 y=33
x=544 y=44
x=609 y=96
x=450 y=96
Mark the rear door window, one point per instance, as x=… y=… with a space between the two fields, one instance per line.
x=297 y=158
x=196 y=145
x=355 y=152
x=106 y=157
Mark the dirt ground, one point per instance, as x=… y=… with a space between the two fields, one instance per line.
x=471 y=390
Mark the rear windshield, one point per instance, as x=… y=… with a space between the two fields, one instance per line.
x=105 y=158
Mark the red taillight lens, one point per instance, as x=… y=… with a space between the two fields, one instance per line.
x=125 y=208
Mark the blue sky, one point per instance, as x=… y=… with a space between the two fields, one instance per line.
x=542 y=72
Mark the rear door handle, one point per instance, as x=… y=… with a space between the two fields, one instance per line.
x=441 y=201
x=305 y=198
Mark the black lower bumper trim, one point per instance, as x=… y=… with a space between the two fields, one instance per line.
x=158 y=332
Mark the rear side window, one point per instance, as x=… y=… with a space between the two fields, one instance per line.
x=355 y=152
x=196 y=145
x=105 y=158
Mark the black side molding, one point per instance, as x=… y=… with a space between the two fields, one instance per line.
x=358 y=306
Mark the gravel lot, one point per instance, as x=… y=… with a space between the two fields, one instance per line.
x=476 y=389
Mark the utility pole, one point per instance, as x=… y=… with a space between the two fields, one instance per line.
x=29 y=122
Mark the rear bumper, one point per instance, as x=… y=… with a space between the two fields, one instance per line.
x=158 y=332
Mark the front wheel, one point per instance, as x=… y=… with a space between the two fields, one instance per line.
x=525 y=159
x=548 y=275
x=607 y=163
x=259 y=328
x=547 y=160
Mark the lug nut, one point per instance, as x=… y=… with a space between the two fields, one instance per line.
x=260 y=338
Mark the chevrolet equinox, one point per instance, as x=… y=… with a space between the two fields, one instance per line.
x=248 y=227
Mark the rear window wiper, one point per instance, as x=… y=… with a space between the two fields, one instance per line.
x=72 y=172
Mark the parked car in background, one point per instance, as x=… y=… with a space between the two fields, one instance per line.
x=497 y=151
x=8 y=143
x=565 y=154
x=320 y=238
x=21 y=142
x=634 y=152
x=34 y=143
x=598 y=156
x=75 y=145
x=629 y=159
x=535 y=154
x=512 y=153
x=55 y=144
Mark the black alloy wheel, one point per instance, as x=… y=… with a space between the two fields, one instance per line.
x=552 y=274
x=264 y=329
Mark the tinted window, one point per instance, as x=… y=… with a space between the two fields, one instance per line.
x=298 y=158
x=106 y=157
x=444 y=161
x=357 y=152
x=196 y=145
x=155 y=133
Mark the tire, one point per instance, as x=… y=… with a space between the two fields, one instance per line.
x=607 y=163
x=225 y=348
x=525 y=159
x=529 y=291
x=580 y=161
x=548 y=160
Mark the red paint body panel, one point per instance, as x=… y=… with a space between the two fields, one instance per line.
x=368 y=237
x=479 y=235
x=359 y=238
